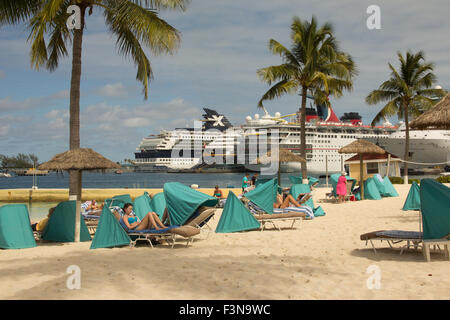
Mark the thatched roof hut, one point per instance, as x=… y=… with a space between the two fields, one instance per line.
x=438 y=117
x=79 y=159
x=361 y=147
x=284 y=155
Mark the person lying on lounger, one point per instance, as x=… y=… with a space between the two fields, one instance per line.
x=40 y=226
x=284 y=201
x=132 y=222
x=91 y=207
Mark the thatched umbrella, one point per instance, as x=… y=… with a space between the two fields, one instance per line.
x=437 y=117
x=78 y=160
x=284 y=155
x=361 y=147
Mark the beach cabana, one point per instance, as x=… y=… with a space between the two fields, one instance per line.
x=15 y=227
x=361 y=147
x=118 y=201
x=412 y=201
x=261 y=195
x=158 y=204
x=438 y=117
x=283 y=155
x=236 y=217
x=77 y=160
x=371 y=191
x=298 y=180
x=183 y=202
x=374 y=164
x=142 y=205
x=298 y=189
x=61 y=225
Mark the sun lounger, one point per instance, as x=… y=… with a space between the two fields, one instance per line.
x=202 y=219
x=435 y=201
x=167 y=234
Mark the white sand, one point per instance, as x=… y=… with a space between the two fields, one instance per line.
x=319 y=259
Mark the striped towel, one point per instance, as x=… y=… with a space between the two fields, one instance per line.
x=307 y=210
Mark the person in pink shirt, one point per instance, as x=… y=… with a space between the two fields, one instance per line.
x=341 y=187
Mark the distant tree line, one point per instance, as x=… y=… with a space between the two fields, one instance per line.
x=20 y=161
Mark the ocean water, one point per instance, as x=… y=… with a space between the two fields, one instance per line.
x=134 y=180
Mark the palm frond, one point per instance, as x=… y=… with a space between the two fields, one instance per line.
x=277 y=90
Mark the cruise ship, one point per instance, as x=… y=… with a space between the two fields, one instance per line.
x=218 y=140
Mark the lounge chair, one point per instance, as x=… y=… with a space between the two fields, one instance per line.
x=435 y=203
x=205 y=214
x=167 y=234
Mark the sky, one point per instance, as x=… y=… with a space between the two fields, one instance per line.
x=223 y=44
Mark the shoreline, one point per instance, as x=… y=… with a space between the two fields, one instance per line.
x=53 y=195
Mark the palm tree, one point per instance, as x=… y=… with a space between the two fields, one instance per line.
x=314 y=63
x=131 y=22
x=408 y=92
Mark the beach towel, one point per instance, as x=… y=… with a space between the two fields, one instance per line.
x=305 y=209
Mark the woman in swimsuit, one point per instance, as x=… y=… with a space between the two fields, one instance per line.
x=150 y=221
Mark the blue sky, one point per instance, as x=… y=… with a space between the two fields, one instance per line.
x=223 y=43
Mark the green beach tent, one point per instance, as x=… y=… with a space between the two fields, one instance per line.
x=159 y=204
x=235 y=217
x=298 y=189
x=142 y=205
x=61 y=225
x=299 y=180
x=370 y=190
x=109 y=232
x=389 y=188
x=261 y=195
x=412 y=201
x=118 y=201
x=380 y=186
x=312 y=181
x=435 y=207
x=15 y=227
x=183 y=202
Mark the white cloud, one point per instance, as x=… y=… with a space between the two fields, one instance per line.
x=9 y=104
x=113 y=90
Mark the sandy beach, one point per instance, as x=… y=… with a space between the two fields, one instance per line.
x=318 y=259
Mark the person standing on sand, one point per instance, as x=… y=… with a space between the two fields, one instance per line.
x=245 y=183
x=341 y=187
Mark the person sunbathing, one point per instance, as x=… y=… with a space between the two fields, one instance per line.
x=132 y=222
x=286 y=201
x=92 y=207
x=40 y=226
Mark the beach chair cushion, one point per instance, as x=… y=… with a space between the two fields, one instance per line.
x=286 y=215
x=392 y=234
x=307 y=211
x=185 y=231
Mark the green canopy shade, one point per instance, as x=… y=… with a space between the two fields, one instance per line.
x=261 y=195
x=298 y=189
x=334 y=180
x=159 y=204
x=389 y=188
x=183 y=202
x=235 y=217
x=380 y=186
x=61 y=225
x=435 y=207
x=15 y=228
x=109 y=232
x=299 y=180
x=142 y=205
x=118 y=201
x=412 y=201
x=370 y=190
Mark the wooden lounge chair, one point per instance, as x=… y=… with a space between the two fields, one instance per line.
x=264 y=217
x=412 y=238
x=168 y=235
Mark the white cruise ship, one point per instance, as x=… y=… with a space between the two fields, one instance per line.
x=325 y=135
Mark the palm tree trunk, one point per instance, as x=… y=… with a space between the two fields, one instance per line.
x=75 y=176
x=303 y=133
x=406 y=157
x=74 y=122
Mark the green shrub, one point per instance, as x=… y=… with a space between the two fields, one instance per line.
x=399 y=180
x=443 y=179
x=396 y=180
